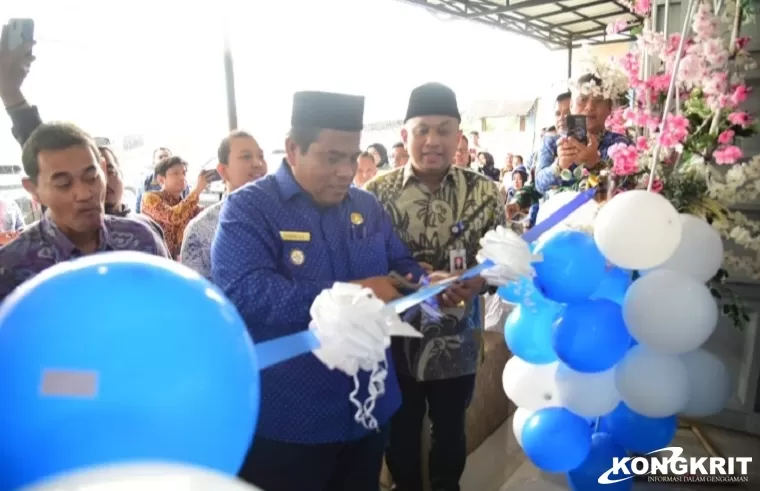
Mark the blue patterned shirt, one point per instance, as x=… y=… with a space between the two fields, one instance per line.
x=547 y=178
x=42 y=245
x=274 y=252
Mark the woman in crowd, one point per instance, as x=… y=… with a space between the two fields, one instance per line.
x=487 y=166
x=380 y=154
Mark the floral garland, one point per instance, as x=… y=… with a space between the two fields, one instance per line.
x=699 y=167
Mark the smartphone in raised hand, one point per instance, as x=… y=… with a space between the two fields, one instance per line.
x=19 y=32
x=212 y=175
x=576 y=127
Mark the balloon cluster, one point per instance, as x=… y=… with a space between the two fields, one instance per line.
x=606 y=339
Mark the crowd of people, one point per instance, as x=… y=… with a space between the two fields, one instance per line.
x=329 y=213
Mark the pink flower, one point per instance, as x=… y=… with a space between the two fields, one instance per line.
x=641 y=7
x=704 y=23
x=726 y=138
x=727 y=155
x=723 y=101
x=624 y=159
x=740 y=118
x=715 y=53
x=630 y=63
x=616 y=121
x=659 y=84
x=716 y=84
x=742 y=42
x=642 y=144
x=741 y=92
x=616 y=26
x=674 y=131
x=656 y=185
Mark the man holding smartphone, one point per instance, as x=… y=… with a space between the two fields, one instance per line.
x=560 y=168
x=168 y=207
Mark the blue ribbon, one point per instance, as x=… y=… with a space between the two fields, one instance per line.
x=559 y=215
x=285 y=348
x=282 y=349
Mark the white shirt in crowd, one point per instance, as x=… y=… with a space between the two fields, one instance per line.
x=195 y=252
x=11 y=218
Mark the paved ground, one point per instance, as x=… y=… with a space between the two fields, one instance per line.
x=499 y=464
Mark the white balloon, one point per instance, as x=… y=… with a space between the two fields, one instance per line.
x=528 y=385
x=709 y=384
x=700 y=252
x=652 y=384
x=637 y=230
x=587 y=394
x=518 y=422
x=147 y=476
x=583 y=217
x=670 y=312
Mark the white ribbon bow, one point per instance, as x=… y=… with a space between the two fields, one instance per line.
x=354 y=328
x=511 y=255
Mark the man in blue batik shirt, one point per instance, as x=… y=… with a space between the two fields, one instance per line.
x=560 y=153
x=281 y=241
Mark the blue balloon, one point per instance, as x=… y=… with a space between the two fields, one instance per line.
x=604 y=449
x=614 y=285
x=590 y=336
x=572 y=267
x=122 y=356
x=519 y=291
x=528 y=332
x=556 y=440
x=639 y=433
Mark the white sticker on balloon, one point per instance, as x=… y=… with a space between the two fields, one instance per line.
x=69 y=383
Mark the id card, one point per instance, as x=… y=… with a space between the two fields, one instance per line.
x=457 y=261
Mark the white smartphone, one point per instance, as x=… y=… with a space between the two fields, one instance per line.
x=19 y=32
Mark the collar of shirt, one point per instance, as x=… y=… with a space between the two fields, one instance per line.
x=58 y=239
x=169 y=198
x=287 y=183
x=408 y=174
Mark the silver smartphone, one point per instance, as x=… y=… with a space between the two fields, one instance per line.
x=19 y=33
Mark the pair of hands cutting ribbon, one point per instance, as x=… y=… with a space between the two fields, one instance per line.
x=351 y=328
x=504 y=257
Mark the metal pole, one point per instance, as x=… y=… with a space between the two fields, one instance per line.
x=229 y=75
x=570 y=59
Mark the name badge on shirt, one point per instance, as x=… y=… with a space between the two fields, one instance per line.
x=290 y=236
x=457 y=260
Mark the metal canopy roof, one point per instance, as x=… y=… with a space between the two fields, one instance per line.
x=558 y=24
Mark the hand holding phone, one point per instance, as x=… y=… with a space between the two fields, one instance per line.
x=576 y=127
x=212 y=175
x=18 y=33
x=16 y=43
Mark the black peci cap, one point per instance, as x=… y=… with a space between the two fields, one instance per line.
x=432 y=99
x=328 y=110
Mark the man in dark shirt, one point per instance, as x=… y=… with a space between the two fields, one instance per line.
x=65 y=175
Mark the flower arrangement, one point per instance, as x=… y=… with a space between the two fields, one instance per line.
x=699 y=167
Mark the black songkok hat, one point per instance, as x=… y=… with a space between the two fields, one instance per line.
x=328 y=111
x=432 y=99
